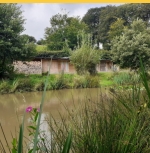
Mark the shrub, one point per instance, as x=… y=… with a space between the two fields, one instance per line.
x=25 y=85
x=59 y=82
x=39 y=86
x=92 y=81
x=79 y=82
x=5 y=87
x=122 y=79
x=85 y=57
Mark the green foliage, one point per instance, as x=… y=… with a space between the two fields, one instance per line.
x=116 y=28
x=41 y=48
x=126 y=12
x=24 y=85
x=30 y=39
x=132 y=44
x=92 y=81
x=85 y=57
x=39 y=86
x=123 y=79
x=30 y=51
x=4 y=87
x=13 y=46
x=116 y=123
x=91 y=18
x=107 y=16
x=66 y=48
x=41 y=42
x=59 y=82
x=63 y=28
x=105 y=54
x=20 y=140
x=67 y=145
x=54 y=54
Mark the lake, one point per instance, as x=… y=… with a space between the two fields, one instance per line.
x=12 y=106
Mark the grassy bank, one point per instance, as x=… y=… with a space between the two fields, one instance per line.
x=22 y=83
x=28 y=83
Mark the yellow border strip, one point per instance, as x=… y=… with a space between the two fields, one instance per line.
x=77 y=1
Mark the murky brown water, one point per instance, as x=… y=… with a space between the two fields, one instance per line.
x=12 y=106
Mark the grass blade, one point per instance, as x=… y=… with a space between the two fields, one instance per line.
x=20 y=142
x=67 y=144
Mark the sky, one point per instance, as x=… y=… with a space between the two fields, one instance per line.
x=38 y=15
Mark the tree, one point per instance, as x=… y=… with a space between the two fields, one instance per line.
x=105 y=55
x=107 y=17
x=30 y=39
x=63 y=28
x=133 y=44
x=85 y=57
x=91 y=18
x=41 y=42
x=116 y=28
x=28 y=49
x=130 y=12
x=12 y=46
x=127 y=12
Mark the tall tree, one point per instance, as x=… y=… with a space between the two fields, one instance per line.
x=130 y=12
x=12 y=45
x=63 y=28
x=91 y=18
x=133 y=43
x=126 y=12
x=107 y=17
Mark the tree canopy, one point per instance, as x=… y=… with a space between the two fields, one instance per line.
x=30 y=39
x=63 y=28
x=131 y=45
x=126 y=12
x=116 y=28
x=91 y=18
x=12 y=45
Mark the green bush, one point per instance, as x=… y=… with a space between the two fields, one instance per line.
x=60 y=82
x=122 y=79
x=93 y=81
x=5 y=87
x=39 y=86
x=25 y=85
x=79 y=82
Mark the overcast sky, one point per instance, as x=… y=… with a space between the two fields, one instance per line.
x=38 y=15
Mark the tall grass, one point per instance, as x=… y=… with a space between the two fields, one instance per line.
x=115 y=122
x=55 y=82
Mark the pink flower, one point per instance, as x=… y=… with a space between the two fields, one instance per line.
x=29 y=109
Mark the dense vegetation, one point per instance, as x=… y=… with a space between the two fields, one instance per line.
x=132 y=44
x=13 y=46
x=23 y=83
x=105 y=25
